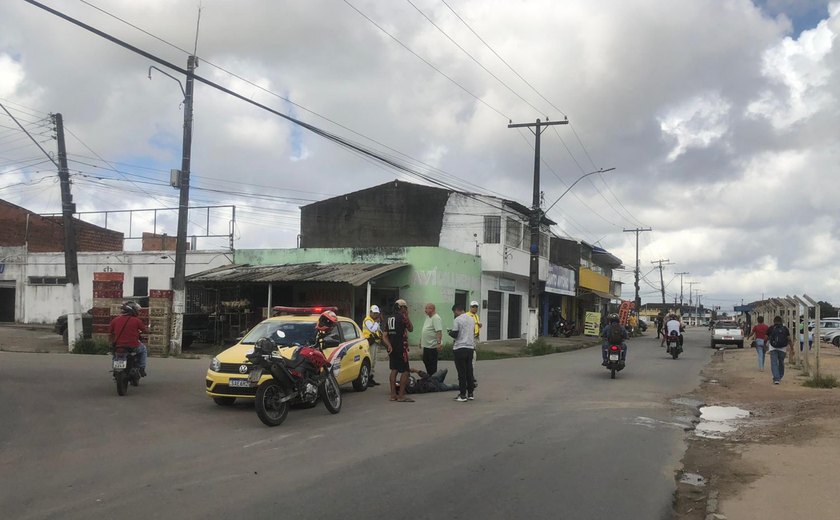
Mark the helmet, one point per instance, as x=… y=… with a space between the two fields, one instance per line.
x=326 y=321
x=613 y=318
x=130 y=307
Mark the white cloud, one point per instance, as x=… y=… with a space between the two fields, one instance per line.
x=696 y=123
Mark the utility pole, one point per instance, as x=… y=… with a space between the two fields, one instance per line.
x=661 y=277
x=536 y=217
x=681 y=286
x=690 y=287
x=638 y=300
x=71 y=262
x=178 y=285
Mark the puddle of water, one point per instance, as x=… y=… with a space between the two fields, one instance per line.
x=718 y=420
x=692 y=479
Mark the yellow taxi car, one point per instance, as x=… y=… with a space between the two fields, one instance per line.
x=346 y=350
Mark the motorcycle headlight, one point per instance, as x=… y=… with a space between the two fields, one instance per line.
x=215 y=365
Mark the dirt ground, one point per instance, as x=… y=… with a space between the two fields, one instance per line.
x=780 y=463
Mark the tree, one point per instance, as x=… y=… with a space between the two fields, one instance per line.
x=826 y=309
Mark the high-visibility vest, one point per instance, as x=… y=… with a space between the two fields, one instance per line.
x=477 y=322
x=366 y=333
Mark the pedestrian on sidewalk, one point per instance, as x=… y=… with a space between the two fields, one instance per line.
x=779 y=338
x=759 y=336
x=463 y=332
x=660 y=321
x=802 y=336
x=473 y=313
x=372 y=331
x=431 y=336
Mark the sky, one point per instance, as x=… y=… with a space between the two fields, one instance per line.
x=720 y=118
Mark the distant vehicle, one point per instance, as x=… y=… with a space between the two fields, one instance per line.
x=826 y=324
x=87 y=326
x=832 y=336
x=727 y=333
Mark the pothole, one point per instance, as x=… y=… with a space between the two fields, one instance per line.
x=715 y=421
x=692 y=479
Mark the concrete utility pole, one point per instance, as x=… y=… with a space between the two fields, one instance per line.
x=178 y=285
x=681 y=285
x=661 y=277
x=690 y=287
x=71 y=262
x=638 y=300
x=536 y=218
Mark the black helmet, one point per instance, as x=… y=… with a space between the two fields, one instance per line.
x=613 y=318
x=130 y=307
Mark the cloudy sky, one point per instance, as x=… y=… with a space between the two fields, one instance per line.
x=721 y=118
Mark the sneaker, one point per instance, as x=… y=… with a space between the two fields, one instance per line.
x=372 y=383
x=604 y=363
x=461 y=399
x=142 y=372
x=470 y=398
x=775 y=382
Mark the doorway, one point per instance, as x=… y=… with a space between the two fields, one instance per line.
x=494 y=315
x=7 y=304
x=461 y=299
x=514 y=316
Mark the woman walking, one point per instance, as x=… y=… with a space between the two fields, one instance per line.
x=759 y=337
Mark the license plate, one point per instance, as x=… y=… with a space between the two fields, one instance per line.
x=613 y=357
x=119 y=364
x=239 y=383
x=728 y=337
x=255 y=375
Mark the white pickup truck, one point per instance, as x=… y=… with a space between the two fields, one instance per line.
x=727 y=333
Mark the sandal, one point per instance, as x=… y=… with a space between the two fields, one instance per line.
x=405 y=400
x=392 y=398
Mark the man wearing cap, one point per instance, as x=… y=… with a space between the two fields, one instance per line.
x=473 y=313
x=372 y=332
x=397 y=328
x=431 y=336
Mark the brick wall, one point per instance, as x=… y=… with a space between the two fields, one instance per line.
x=46 y=234
x=154 y=242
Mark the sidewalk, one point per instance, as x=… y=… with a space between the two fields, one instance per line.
x=780 y=462
x=16 y=337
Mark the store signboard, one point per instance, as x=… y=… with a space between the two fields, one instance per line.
x=560 y=280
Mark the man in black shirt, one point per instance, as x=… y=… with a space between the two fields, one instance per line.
x=397 y=328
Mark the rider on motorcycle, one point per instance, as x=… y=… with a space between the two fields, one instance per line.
x=611 y=333
x=326 y=324
x=125 y=332
x=673 y=325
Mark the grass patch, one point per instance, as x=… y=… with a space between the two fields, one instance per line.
x=91 y=346
x=539 y=348
x=823 y=381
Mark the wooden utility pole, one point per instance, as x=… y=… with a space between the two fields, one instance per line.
x=537 y=129
x=661 y=277
x=690 y=287
x=71 y=262
x=681 y=287
x=638 y=300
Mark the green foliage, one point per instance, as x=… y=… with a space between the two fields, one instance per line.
x=91 y=346
x=823 y=381
x=539 y=348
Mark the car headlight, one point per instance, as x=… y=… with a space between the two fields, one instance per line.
x=215 y=365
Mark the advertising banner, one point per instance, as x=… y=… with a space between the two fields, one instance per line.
x=624 y=311
x=560 y=280
x=592 y=325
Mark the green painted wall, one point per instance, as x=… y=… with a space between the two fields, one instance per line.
x=433 y=276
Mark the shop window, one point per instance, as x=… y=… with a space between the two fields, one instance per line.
x=492 y=229
x=47 y=280
x=141 y=286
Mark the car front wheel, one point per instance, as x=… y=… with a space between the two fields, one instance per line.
x=360 y=384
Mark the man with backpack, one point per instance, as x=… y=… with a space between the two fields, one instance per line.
x=779 y=338
x=613 y=334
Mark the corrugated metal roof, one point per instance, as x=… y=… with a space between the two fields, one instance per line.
x=352 y=273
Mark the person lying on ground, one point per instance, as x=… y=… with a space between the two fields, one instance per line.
x=425 y=383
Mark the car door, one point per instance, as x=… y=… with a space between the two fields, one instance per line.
x=352 y=351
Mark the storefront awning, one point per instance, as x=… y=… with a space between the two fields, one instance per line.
x=600 y=294
x=355 y=274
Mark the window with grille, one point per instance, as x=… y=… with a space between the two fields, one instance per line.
x=47 y=280
x=513 y=233
x=492 y=229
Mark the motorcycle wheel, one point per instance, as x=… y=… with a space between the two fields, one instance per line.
x=134 y=379
x=675 y=353
x=330 y=394
x=122 y=382
x=612 y=373
x=270 y=410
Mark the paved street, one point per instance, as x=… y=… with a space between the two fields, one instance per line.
x=547 y=437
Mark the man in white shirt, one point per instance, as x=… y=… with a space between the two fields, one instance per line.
x=673 y=325
x=463 y=331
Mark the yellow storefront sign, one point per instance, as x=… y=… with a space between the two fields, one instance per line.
x=592 y=324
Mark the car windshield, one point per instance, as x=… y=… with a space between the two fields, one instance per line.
x=726 y=325
x=297 y=332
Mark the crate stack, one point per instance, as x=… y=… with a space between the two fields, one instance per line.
x=107 y=298
x=160 y=321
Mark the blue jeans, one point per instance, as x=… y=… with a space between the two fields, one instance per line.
x=760 y=351
x=142 y=354
x=777 y=364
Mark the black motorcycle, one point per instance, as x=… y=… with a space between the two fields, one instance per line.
x=125 y=368
x=615 y=361
x=303 y=378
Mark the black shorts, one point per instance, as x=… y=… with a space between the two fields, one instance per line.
x=398 y=360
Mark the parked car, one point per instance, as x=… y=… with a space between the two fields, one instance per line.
x=87 y=326
x=831 y=336
x=727 y=333
x=347 y=352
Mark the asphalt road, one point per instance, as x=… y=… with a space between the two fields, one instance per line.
x=547 y=437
